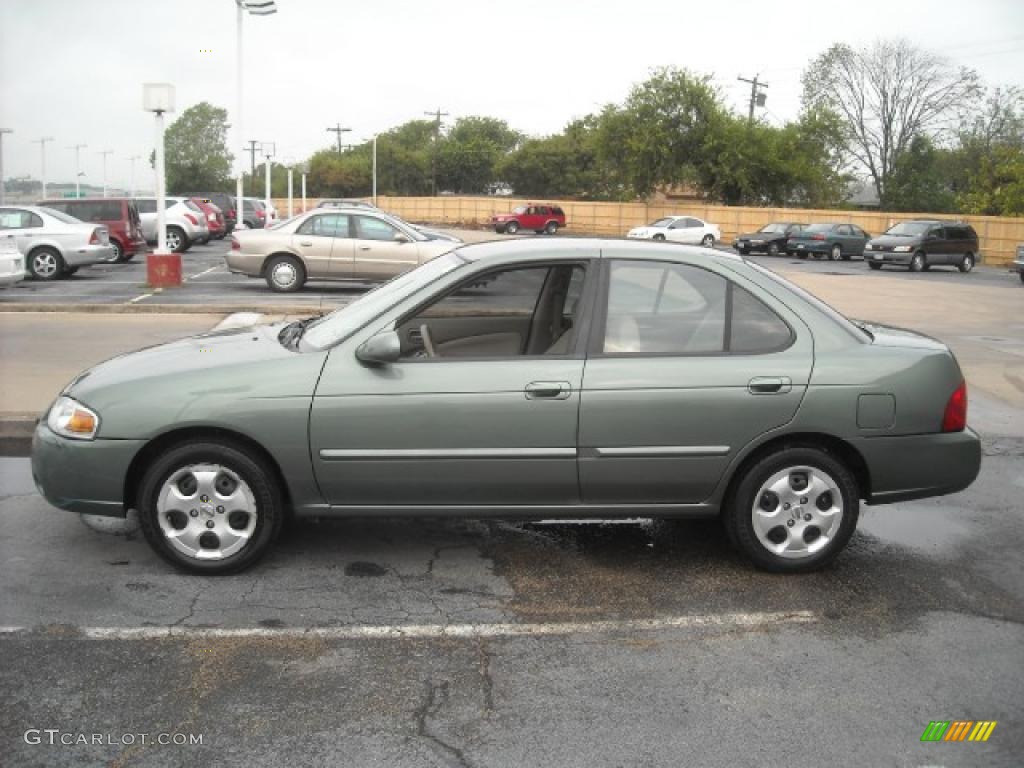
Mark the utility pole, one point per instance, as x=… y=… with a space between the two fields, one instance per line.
x=3 y=185
x=78 y=173
x=42 y=157
x=437 y=115
x=757 y=97
x=104 y=153
x=252 y=168
x=338 y=130
x=133 y=158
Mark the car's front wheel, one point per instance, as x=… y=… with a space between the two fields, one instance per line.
x=773 y=249
x=116 y=253
x=658 y=238
x=836 y=253
x=793 y=510
x=708 y=241
x=176 y=241
x=285 y=274
x=211 y=508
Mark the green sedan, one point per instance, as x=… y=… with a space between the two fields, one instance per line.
x=521 y=379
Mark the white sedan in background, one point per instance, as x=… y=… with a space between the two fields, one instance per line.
x=54 y=244
x=679 y=229
x=12 y=263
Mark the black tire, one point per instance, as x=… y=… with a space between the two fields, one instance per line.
x=277 y=269
x=551 y=228
x=659 y=238
x=177 y=236
x=117 y=256
x=874 y=265
x=738 y=510
x=836 y=252
x=251 y=468
x=45 y=263
x=967 y=263
x=708 y=241
x=499 y=230
x=918 y=263
x=1021 y=275
x=743 y=249
x=773 y=249
x=512 y=227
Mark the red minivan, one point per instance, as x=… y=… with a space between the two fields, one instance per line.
x=118 y=214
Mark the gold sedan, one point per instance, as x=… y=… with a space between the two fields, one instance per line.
x=332 y=244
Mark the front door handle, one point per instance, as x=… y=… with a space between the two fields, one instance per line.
x=306 y=242
x=548 y=390
x=364 y=247
x=770 y=385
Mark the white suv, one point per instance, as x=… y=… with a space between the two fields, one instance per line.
x=186 y=223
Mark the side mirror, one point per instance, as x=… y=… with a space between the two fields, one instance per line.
x=401 y=238
x=385 y=347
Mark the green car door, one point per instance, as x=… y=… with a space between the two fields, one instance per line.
x=685 y=367
x=481 y=408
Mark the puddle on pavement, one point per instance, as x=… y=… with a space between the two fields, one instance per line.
x=933 y=529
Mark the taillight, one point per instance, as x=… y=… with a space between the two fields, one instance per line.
x=211 y=217
x=191 y=218
x=94 y=239
x=818 y=237
x=235 y=245
x=955 y=417
x=259 y=214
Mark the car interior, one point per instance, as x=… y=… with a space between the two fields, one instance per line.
x=510 y=313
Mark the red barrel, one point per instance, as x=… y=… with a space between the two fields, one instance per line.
x=163 y=270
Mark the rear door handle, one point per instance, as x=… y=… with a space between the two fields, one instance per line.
x=770 y=385
x=548 y=390
x=364 y=247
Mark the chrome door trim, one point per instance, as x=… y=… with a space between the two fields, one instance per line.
x=338 y=454
x=658 y=451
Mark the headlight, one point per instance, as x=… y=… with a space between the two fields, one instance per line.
x=69 y=418
x=902 y=248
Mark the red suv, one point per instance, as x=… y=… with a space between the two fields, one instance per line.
x=541 y=218
x=118 y=214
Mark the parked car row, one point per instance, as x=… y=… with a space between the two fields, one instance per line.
x=52 y=243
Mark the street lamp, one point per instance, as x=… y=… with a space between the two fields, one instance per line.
x=3 y=186
x=105 y=152
x=267 y=148
x=162 y=268
x=42 y=157
x=305 y=169
x=133 y=158
x=255 y=8
x=78 y=170
x=374 y=174
x=289 y=162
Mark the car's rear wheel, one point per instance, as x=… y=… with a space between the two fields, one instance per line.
x=499 y=230
x=551 y=228
x=773 y=249
x=708 y=241
x=512 y=227
x=793 y=510
x=967 y=263
x=918 y=263
x=285 y=274
x=176 y=240
x=45 y=264
x=210 y=507
x=874 y=265
x=836 y=253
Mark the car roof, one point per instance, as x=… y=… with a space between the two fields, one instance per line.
x=607 y=247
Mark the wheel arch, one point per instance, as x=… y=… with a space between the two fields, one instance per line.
x=274 y=255
x=191 y=434
x=836 y=446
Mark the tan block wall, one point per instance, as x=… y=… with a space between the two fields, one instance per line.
x=999 y=236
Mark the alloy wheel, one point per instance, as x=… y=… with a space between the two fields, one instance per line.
x=173 y=241
x=44 y=265
x=797 y=512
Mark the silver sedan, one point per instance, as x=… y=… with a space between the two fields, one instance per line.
x=54 y=244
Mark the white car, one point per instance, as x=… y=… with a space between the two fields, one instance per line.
x=679 y=229
x=54 y=244
x=186 y=222
x=12 y=263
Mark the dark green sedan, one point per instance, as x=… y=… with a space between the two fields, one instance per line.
x=521 y=379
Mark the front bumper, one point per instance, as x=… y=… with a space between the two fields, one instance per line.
x=888 y=257
x=86 y=476
x=1018 y=266
x=12 y=268
x=86 y=255
x=919 y=466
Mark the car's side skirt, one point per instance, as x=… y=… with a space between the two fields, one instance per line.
x=511 y=511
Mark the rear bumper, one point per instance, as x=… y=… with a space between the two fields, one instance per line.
x=84 y=476
x=87 y=254
x=132 y=247
x=919 y=466
x=244 y=263
x=808 y=248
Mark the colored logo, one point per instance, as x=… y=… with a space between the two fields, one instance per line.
x=958 y=730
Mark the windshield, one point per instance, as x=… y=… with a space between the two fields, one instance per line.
x=773 y=229
x=909 y=228
x=61 y=216
x=519 y=209
x=332 y=328
x=661 y=222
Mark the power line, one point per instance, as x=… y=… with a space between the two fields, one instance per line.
x=338 y=130
x=757 y=97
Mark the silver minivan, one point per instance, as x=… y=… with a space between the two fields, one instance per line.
x=186 y=222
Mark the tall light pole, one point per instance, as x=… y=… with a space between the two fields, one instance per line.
x=289 y=162
x=3 y=185
x=104 y=153
x=42 y=159
x=305 y=170
x=255 y=8
x=78 y=171
x=267 y=147
x=159 y=98
x=133 y=158
x=373 y=167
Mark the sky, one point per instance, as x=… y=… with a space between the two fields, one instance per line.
x=73 y=69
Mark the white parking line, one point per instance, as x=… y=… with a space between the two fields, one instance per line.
x=437 y=631
x=140 y=298
x=204 y=272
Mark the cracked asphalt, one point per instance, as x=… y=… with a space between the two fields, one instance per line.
x=921 y=619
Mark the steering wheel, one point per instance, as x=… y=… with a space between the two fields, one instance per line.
x=428 y=341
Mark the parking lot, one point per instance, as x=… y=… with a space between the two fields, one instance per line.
x=486 y=643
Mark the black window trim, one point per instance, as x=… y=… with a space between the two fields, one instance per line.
x=599 y=322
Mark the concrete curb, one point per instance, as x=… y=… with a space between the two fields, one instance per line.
x=16 y=433
x=170 y=309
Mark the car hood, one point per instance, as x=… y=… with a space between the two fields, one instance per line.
x=194 y=379
x=890 y=241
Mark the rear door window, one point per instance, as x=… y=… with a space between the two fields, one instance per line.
x=146 y=205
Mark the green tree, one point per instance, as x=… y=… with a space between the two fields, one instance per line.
x=196 y=156
x=468 y=154
x=920 y=179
